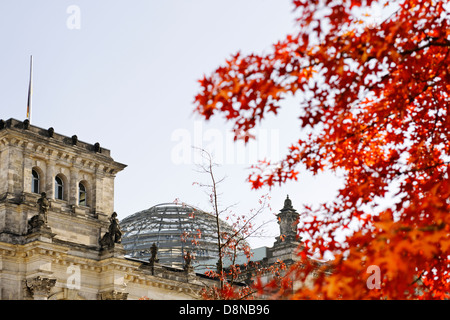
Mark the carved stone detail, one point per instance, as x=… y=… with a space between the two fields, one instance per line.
x=188 y=262
x=40 y=287
x=154 y=254
x=114 y=234
x=39 y=221
x=113 y=295
x=74 y=140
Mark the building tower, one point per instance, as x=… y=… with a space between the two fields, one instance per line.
x=56 y=200
x=287 y=243
x=288 y=221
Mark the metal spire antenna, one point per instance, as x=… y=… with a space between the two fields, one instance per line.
x=30 y=90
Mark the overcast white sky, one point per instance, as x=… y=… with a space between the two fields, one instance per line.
x=127 y=78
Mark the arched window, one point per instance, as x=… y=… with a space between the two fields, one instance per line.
x=35 y=181
x=82 y=195
x=59 y=188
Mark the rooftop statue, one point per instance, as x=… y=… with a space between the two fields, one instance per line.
x=40 y=220
x=114 y=234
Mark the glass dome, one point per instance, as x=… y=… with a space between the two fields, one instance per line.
x=173 y=228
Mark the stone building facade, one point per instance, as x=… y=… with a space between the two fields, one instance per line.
x=59 y=235
x=57 y=225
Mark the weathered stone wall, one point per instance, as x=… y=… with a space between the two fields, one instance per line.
x=84 y=274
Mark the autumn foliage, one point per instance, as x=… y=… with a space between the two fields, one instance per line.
x=373 y=103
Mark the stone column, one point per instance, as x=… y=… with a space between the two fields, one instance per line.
x=50 y=179
x=97 y=190
x=40 y=287
x=27 y=168
x=73 y=187
x=14 y=168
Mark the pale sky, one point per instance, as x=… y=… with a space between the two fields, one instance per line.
x=124 y=74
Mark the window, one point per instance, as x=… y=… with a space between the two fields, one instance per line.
x=59 y=188
x=34 y=181
x=82 y=195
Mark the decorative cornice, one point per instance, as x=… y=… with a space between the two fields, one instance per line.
x=162 y=283
x=58 y=147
